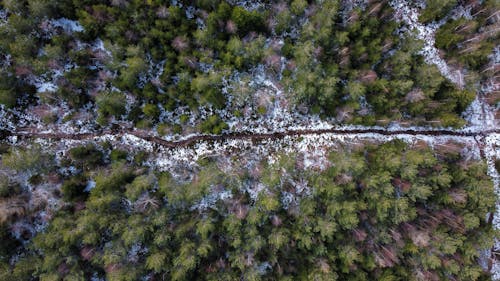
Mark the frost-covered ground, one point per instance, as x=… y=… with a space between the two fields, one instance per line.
x=480 y=116
x=492 y=153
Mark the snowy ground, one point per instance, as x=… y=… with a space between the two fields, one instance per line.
x=492 y=153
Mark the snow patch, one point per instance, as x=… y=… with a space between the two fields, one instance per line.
x=69 y=26
x=249 y=5
x=214 y=195
x=492 y=153
x=3 y=17
x=409 y=15
x=43 y=87
x=90 y=185
x=480 y=116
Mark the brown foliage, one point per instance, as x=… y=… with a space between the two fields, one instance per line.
x=451 y=219
x=63 y=269
x=12 y=207
x=385 y=256
x=23 y=70
x=323 y=266
x=146 y=203
x=114 y=267
x=162 y=12
x=458 y=196
x=419 y=238
x=359 y=234
x=368 y=76
x=401 y=184
x=276 y=220
x=343 y=178
x=415 y=95
x=240 y=211
x=273 y=61
x=180 y=43
x=87 y=253
x=231 y=27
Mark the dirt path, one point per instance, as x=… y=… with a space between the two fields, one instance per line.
x=30 y=134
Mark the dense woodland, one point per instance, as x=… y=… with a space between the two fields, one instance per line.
x=379 y=212
x=101 y=210
x=135 y=60
x=467 y=42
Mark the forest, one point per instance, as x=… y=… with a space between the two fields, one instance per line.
x=386 y=211
x=249 y=140
x=138 y=61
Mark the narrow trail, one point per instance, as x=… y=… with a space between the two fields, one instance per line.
x=190 y=140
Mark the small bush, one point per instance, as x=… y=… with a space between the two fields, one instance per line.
x=213 y=125
x=118 y=155
x=87 y=156
x=74 y=187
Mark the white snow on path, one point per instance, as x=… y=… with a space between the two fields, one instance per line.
x=480 y=116
x=311 y=146
x=492 y=153
x=409 y=15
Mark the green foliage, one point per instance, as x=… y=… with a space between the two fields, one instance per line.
x=359 y=71
x=375 y=208
x=74 y=187
x=387 y=212
x=469 y=42
x=8 y=93
x=436 y=9
x=297 y=7
x=32 y=160
x=118 y=155
x=247 y=21
x=446 y=38
x=213 y=125
x=8 y=187
x=87 y=156
x=353 y=66
x=110 y=104
x=151 y=110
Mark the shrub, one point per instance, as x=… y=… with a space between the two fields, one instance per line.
x=74 y=187
x=247 y=21
x=118 y=155
x=87 y=156
x=110 y=104
x=213 y=125
x=436 y=9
